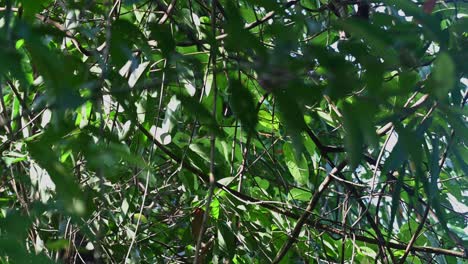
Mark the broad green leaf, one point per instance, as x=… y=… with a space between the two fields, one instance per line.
x=262 y=183
x=300 y=195
x=33 y=7
x=358 y=122
x=354 y=139
x=201 y=113
x=162 y=34
x=243 y=105
x=292 y=117
x=226 y=239
x=140 y=217
x=215 y=209
x=296 y=163
x=266 y=119
x=443 y=78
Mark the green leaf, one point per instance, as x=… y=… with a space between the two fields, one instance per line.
x=396 y=194
x=11 y=157
x=33 y=7
x=266 y=120
x=262 y=183
x=66 y=185
x=291 y=116
x=300 y=194
x=142 y=218
x=358 y=122
x=163 y=35
x=215 y=208
x=243 y=105
x=124 y=35
x=443 y=75
x=201 y=113
x=296 y=163
x=354 y=140
x=226 y=239
x=431 y=187
x=234 y=27
x=57 y=244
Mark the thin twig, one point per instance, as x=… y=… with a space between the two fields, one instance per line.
x=269 y=205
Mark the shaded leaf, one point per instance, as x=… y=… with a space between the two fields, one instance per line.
x=296 y=163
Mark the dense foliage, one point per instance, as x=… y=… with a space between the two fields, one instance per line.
x=250 y=131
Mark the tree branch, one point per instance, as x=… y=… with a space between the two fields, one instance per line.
x=268 y=205
x=310 y=207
